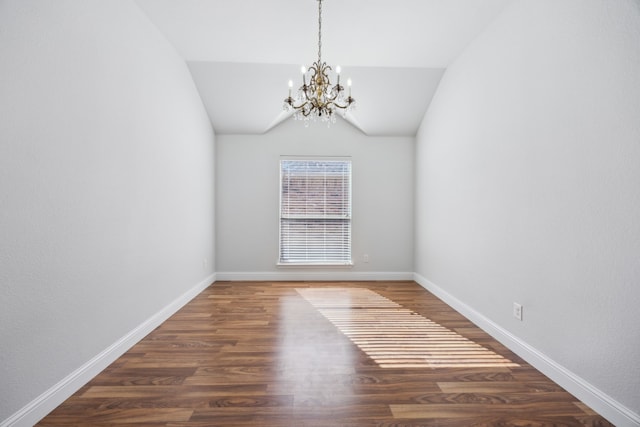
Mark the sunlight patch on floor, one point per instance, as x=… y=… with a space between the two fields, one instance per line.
x=396 y=337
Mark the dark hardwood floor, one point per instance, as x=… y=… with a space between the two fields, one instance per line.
x=384 y=354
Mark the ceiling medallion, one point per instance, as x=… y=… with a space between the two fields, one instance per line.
x=318 y=99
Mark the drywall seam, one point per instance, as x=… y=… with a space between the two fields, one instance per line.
x=50 y=399
x=601 y=402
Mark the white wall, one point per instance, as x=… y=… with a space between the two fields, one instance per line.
x=106 y=186
x=247 y=197
x=527 y=188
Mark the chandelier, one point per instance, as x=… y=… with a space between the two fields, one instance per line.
x=317 y=99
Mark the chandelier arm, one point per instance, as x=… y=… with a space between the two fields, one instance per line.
x=306 y=112
x=305 y=90
x=300 y=106
x=342 y=107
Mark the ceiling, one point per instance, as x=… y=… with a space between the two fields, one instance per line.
x=242 y=53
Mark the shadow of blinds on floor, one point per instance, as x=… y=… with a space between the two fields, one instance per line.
x=396 y=337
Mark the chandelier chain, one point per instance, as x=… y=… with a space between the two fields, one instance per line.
x=319 y=31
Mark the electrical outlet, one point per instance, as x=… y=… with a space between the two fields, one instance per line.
x=204 y=264
x=517 y=311
x=365 y=257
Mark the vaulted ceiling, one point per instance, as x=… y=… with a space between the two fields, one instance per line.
x=242 y=53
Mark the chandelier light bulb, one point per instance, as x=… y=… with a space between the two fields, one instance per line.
x=303 y=69
x=338 y=69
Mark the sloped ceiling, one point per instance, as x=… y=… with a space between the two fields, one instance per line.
x=242 y=53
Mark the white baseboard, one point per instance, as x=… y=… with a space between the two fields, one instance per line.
x=602 y=403
x=293 y=274
x=50 y=399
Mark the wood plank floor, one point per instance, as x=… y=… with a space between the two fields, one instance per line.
x=383 y=354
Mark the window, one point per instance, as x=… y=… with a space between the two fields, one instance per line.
x=315 y=212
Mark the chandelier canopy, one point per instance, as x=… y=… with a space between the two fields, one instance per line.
x=318 y=99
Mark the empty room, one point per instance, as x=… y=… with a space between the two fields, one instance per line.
x=289 y=213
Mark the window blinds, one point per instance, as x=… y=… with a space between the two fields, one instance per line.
x=315 y=212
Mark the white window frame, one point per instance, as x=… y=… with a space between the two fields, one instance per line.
x=312 y=255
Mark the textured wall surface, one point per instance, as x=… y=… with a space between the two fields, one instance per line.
x=247 y=177
x=106 y=185
x=528 y=180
